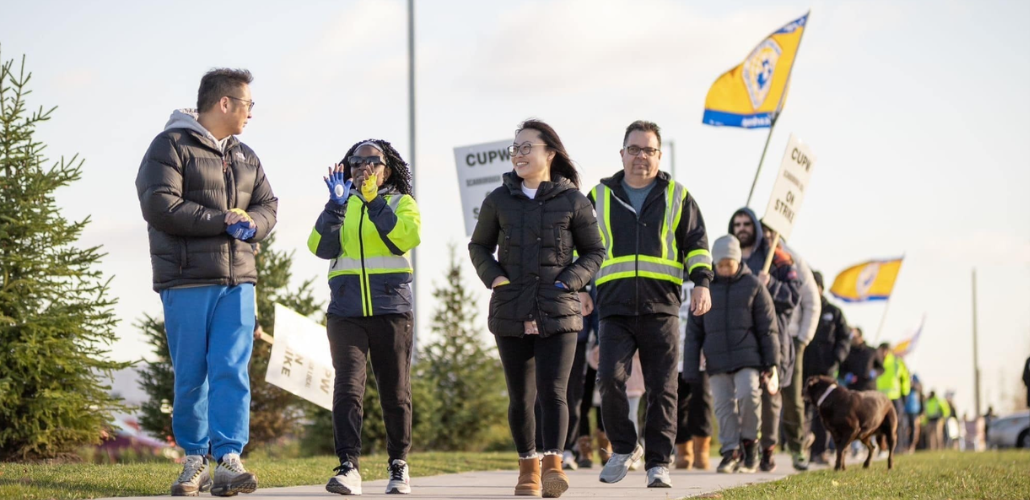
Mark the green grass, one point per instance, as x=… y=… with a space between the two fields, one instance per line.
x=929 y=475
x=74 y=481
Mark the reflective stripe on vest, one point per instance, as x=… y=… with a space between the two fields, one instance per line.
x=666 y=267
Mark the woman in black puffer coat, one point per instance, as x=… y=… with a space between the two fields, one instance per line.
x=534 y=222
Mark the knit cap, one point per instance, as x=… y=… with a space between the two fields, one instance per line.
x=726 y=247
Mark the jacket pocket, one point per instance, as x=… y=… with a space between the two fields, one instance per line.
x=504 y=302
x=559 y=245
x=184 y=260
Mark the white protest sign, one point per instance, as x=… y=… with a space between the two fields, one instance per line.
x=480 y=168
x=300 y=362
x=789 y=189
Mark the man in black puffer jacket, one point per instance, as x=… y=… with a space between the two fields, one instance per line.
x=741 y=344
x=205 y=198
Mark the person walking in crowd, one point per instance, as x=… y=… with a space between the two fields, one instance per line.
x=654 y=236
x=741 y=346
x=862 y=366
x=1026 y=380
x=781 y=280
x=803 y=323
x=694 y=407
x=895 y=382
x=367 y=229
x=535 y=222
x=914 y=405
x=205 y=197
x=937 y=411
x=824 y=356
x=572 y=457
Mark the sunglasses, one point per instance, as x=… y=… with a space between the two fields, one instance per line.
x=358 y=161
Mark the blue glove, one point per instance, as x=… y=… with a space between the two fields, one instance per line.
x=339 y=190
x=563 y=286
x=241 y=230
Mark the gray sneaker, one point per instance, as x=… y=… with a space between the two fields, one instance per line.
x=399 y=483
x=347 y=480
x=194 y=478
x=618 y=465
x=231 y=478
x=658 y=477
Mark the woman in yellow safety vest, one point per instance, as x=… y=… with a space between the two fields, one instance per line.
x=367 y=228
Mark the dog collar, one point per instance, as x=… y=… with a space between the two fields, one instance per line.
x=827 y=393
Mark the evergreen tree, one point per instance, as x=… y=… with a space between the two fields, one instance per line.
x=157 y=379
x=465 y=376
x=56 y=318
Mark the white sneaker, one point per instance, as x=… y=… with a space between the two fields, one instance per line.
x=347 y=480
x=568 y=461
x=399 y=483
x=618 y=465
x=636 y=465
x=231 y=478
x=194 y=478
x=658 y=477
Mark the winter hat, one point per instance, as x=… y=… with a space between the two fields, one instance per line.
x=726 y=247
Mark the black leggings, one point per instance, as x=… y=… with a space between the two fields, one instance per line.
x=536 y=366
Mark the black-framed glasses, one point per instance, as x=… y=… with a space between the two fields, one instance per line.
x=523 y=149
x=635 y=150
x=361 y=161
x=250 y=103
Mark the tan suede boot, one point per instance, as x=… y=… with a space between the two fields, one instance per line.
x=529 y=477
x=684 y=455
x=702 y=452
x=604 y=447
x=554 y=480
x=586 y=452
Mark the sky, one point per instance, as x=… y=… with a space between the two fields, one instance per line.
x=918 y=113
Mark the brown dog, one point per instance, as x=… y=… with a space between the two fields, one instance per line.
x=850 y=415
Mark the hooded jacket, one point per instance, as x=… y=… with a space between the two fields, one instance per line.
x=186 y=184
x=783 y=287
x=739 y=331
x=649 y=253
x=535 y=240
x=805 y=318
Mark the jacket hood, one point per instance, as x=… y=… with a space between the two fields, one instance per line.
x=187 y=118
x=759 y=234
x=546 y=190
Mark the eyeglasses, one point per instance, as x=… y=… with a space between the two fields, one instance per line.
x=524 y=149
x=360 y=161
x=635 y=150
x=250 y=103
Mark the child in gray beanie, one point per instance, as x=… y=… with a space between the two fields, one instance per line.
x=741 y=344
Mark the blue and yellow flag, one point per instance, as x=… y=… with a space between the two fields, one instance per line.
x=905 y=347
x=873 y=280
x=751 y=95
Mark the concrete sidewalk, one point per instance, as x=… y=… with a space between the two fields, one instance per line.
x=500 y=484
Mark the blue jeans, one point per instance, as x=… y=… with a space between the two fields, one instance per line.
x=210 y=336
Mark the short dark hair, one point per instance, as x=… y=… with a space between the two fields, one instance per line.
x=562 y=164
x=643 y=126
x=218 y=83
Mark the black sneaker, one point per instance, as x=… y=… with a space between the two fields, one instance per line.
x=750 y=463
x=730 y=462
x=768 y=464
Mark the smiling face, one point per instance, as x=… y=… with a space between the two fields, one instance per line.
x=534 y=164
x=361 y=171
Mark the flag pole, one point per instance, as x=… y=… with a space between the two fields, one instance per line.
x=776 y=115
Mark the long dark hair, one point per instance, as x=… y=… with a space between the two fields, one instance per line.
x=400 y=176
x=561 y=164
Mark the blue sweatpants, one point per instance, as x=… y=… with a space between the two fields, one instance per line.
x=210 y=336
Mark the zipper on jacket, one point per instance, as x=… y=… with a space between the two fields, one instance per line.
x=229 y=204
x=726 y=322
x=361 y=250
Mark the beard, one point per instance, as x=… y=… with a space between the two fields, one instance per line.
x=746 y=239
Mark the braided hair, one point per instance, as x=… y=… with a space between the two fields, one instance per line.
x=400 y=175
